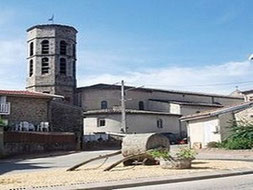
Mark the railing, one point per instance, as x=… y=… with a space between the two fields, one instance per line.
x=5 y=108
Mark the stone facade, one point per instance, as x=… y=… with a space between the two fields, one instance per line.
x=55 y=76
x=32 y=110
x=35 y=142
x=66 y=118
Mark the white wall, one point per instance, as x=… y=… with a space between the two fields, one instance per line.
x=136 y=123
x=202 y=131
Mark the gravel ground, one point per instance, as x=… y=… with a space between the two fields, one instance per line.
x=93 y=173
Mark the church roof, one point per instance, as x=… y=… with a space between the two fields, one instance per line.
x=117 y=87
x=247 y=91
x=188 y=103
x=215 y=112
x=25 y=93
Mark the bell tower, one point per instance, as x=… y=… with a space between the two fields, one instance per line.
x=52 y=60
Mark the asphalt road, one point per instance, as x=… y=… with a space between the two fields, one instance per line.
x=50 y=161
x=65 y=160
x=242 y=182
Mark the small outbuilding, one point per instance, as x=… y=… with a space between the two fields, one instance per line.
x=213 y=125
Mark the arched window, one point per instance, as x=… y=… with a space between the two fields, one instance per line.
x=44 y=65
x=31 y=49
x=63 y=48
x=159 y=123
x=31 y=68
x=104 y=104
x=45 y=47
x=141 y=105
x=74 y=50
x=63 y=66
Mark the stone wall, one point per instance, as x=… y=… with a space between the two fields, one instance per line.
x=32 y=110
x=1 y=141
x=246 y=114
x=36 y=142
x=66 y=118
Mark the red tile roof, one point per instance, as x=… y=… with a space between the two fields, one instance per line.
x=25 y=93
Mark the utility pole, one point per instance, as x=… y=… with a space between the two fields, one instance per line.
x=123 y=108
x=123 y=105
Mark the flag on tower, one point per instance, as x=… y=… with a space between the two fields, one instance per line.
x=51 y=19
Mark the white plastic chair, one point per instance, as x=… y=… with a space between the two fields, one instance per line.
x=31 y=127
x=44 y=126
x=24 y=126
x=17 y=127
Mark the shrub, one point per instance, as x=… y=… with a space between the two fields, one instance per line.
x=241 y=136
x=186 y=153
x=241 y=129
x=238 y=143
x=164 y=154
x=2 y=122
x=212 y=144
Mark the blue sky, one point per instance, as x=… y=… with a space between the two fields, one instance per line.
x=198 y=45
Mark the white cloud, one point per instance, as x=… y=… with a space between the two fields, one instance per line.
x=213 y=78
x=198 y=78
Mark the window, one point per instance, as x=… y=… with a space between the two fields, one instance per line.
x=63 y=48
x=159 y=123
x=31 y=68
x=101 y=122
x=74 y=50
x=44 y=65
x=2 y=99
x=141 y=105
x=63 y=66
x=104 y=104
x=45 y=47
x=31 y=49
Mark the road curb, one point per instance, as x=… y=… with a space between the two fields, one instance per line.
x=163 y=180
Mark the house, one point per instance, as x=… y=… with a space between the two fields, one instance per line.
x=17 y=106
x=35 y=107
x=248 y=95
x=213 y=125
x=147 y=109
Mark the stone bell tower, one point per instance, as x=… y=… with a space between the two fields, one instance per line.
x=52 y=60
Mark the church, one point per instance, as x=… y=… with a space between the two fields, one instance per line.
x=97 y=108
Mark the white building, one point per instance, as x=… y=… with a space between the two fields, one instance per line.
x=147 y=110
x=213 y=126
